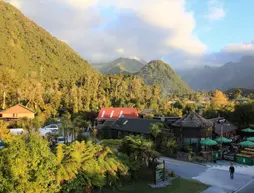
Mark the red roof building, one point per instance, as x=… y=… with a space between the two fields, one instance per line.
x=115 y=113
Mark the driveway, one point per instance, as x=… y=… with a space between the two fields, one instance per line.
x=216 y=177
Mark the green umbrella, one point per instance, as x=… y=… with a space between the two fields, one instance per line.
x=223 y=139
x=248 y=130
x=208 y=142
x=250 y=139
x=247 y=144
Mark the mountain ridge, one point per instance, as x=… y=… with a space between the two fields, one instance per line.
x=27 y=47
x=120 y=65
x=230 y=75
x=158 y=72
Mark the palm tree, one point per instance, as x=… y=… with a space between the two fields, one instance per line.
x=139 y=149
x=66 y=125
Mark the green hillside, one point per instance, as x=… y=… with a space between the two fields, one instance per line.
x=123 y=65
x=158 y=72
x=26 y=47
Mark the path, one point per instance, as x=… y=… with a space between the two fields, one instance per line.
x=249 y=188
x=216 y=177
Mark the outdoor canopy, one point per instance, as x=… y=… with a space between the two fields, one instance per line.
x=250 y=139
x=247 y=144
x=223 y=140
x=209 y=142
x=248 y=130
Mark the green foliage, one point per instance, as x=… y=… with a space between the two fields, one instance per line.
x=26 y=47
x=244 y=114
x=156 y=129
x=27 y=165
x=4 y=131
x=122 y=65
x=158 y=72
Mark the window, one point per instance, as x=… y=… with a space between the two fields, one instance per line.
x=15 y=115
x=111 y=115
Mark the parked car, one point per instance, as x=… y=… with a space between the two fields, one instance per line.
x=17 y=131
x=60 y=140
x=51 y=127
x=1 y=145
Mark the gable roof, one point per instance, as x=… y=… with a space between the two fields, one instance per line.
x=193 y=120
x=134 y=125
x=227 y=126
x=17 y=109
x=115 y=113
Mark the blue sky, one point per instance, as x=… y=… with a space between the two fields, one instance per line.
x=184 y=33
x=235 y=26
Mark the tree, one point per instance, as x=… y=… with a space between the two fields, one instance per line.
x=8 y=83
x=4 y=131
x=82 y=166
x=156 y=129
x=66 y=124
x=27 y=165
x=139 y=149
x=244 y=114
x=219 y=98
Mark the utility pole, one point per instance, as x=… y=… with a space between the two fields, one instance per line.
x=221 y=121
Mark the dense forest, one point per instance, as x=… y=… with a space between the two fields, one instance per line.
x=45 y=74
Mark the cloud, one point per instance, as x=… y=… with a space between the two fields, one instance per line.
x=16 y=3
x=245 y=48
x=215 y=10
x=135 y=58
x=151 y=29
x=120 y=50
x=80 y=3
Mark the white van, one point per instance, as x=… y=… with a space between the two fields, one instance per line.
x=17 y=131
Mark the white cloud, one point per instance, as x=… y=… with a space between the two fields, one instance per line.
x=215 y=10
x=80 y=3
x=216 y=14
x=149 y=29
x=246 y=48
x=120 y=50
x=16 y=3
x=135 y=58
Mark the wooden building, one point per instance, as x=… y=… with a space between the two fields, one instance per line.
x=16 y=112
x=191 y=128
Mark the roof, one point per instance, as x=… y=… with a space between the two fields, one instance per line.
x=193 y=120
x=227 y=126
x=17 y=109
x=105 y=124
x=115 y=113
x=147 y=111
x=134 y=125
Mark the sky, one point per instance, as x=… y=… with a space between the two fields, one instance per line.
x=183 y=33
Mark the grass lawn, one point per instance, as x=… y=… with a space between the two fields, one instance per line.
x=179 y=185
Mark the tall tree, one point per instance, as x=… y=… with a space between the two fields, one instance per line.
x=27 y=165
x=220 y=98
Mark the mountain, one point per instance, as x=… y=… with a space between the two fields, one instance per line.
x=230 y=75
x=121 y=65
x=26 y=47
x=158 y=72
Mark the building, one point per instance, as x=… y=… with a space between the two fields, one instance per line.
x=115 y=113
x=16 y=112
x=146 y=112
x=191 y=128
x=226 y=128
x=132 y=126
x=108 y=115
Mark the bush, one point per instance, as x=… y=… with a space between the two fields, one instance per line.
x=200 y=159
x=171 y=174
